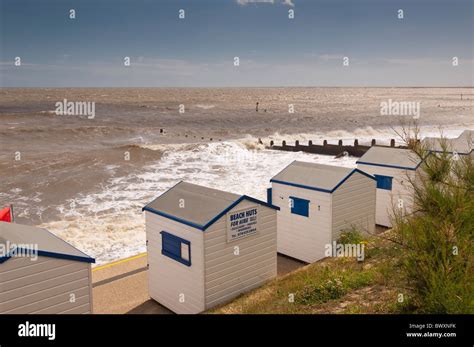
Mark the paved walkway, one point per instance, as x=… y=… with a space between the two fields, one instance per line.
x=122 y=286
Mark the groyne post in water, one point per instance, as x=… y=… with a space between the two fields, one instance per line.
x=355 y=150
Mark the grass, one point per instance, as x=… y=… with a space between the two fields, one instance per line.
x=333 y=285
x=425 y=264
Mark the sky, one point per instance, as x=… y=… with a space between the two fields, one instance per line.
x=199 y=50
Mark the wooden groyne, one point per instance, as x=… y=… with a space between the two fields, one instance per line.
x=325 y=148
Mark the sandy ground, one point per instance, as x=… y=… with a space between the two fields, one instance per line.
x=122 y=287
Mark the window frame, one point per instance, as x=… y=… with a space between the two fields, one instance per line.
x=385 y=178
x=295 y=210
x=177 y=240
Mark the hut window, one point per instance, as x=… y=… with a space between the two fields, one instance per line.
x=176 y=248
x=299 y=206
x=384 y=182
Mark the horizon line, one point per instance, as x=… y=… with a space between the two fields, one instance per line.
x=230 y=87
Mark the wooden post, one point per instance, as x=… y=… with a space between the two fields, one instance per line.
x=356 y=143
x=373 y=142
x=310 y=143
x=325 y=142
x=283 y=143
x=271 y=143
x=297 y=143
x=392 y=143
x=340 y=143
x=161 y=131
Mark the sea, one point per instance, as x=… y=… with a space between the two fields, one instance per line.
x=86 y=178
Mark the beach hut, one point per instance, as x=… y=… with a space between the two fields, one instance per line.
x=317 y=203
x=461 y=145
x=393 y=168
x=40 y=273
x=207 y=246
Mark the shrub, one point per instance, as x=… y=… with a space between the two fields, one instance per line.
x=438 y=237
x=350 y=237
x=318 y=293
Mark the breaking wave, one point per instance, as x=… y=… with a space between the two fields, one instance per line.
x=109 y=223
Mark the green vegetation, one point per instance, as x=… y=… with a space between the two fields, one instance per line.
x=423 y=265
x=437 y=238
x=334 y=285
x=353 y=237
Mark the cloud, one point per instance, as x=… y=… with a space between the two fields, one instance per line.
x=284 y=2
x=316 y=69
x=327 y=57
x=246 y=2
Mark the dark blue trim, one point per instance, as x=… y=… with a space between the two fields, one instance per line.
x=213 y=220
x=396 y=166
x=260 y=202
x=350 y=174
x=330 y=191
x=143 y=208
x=176 y=219
x=390 y=166
x=50 y=255
x=451 y=152
x=173 y=238
x=4 y=259
x=235 y=203
x=300 y=186
x=269 y=196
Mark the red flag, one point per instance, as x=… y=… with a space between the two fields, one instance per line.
x=6 y=215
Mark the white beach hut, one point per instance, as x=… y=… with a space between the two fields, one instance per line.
x=317 y=203
x=393 y=168
x=40 y=273
x=461 y=145
x=207 y=246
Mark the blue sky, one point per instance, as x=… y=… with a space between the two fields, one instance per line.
x=166 y=51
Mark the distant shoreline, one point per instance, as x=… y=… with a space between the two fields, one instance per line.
x=241 y=87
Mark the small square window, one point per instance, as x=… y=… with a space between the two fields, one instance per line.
x=299 y=206
x=384 y=182
x=176 y=248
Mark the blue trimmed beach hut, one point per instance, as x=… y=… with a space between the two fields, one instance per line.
x=462 y=145
x=41 y=273
x=317 y=203
x=394 y=169
x=207 y=246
